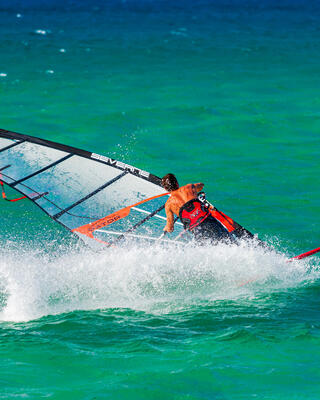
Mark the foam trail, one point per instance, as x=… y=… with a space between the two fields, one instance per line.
x=154 y=279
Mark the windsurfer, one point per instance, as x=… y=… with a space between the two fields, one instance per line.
x=183 y=202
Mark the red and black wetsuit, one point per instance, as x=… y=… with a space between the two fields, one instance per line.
x=200 y=222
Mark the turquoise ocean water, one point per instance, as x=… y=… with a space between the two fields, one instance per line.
x=224 y=92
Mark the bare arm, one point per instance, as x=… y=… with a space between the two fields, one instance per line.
x=170 y=219
x=197 y=187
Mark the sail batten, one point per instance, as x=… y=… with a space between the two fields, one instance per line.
x=110 y=182
x=11 y=145
x=5 y=167
x=43 y=169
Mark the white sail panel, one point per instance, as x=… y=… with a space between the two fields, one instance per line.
x=5 y=142
x=26 y=158
x=71 y=180
x=127 y=190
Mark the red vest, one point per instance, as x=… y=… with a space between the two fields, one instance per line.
x=193 y=213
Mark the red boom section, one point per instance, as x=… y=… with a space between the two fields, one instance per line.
x=307 y=254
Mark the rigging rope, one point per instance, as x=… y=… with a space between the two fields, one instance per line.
x=4 y=196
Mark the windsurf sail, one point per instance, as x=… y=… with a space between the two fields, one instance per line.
x=100 y=199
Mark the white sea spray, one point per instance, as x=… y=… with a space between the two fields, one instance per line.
x=154 y=279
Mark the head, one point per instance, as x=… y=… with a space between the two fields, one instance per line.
x=170 y=183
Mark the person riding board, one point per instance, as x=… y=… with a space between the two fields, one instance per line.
x=184 y=202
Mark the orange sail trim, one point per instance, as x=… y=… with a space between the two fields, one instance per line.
x=88 y=229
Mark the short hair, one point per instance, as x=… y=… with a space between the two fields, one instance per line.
x=170 y=183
